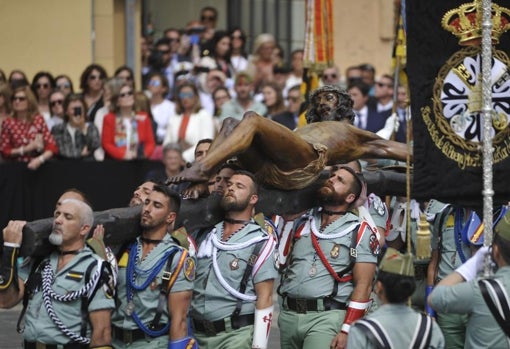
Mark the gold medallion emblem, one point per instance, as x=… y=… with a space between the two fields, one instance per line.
x=234 y=265
x=335 y=251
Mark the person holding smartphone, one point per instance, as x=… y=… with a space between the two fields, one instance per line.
x=76 y=137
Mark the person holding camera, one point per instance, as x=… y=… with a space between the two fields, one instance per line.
x=76 y=138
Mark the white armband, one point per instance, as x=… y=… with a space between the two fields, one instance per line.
x=262 y=327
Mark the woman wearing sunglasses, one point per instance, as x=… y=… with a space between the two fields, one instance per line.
x=56 y=108
x=127 y=134
x=42 y=84
x=25 y=136
x=91 y=83
x=192 y=122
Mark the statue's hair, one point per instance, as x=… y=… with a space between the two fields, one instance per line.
x=345 y=103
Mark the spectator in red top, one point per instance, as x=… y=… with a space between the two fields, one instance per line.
x=127 y=134
x=25 y=136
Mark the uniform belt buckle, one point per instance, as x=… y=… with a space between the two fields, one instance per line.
x=127 y=336
x=301 y=307
x=209 y=328
x=353 y=252
x=166 y=275
x=39 y=345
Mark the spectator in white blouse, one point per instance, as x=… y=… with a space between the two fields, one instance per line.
x=162 y=109
x=191 y=124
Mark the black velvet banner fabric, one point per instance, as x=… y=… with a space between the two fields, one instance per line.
x=30 y=195
x=444 y=79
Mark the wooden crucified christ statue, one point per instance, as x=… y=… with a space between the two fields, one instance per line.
x=287 y=159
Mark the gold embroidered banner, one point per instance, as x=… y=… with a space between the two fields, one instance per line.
x=444 y=68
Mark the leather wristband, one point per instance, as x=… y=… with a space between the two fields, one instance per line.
x=428 y=308
x=356 y=310
x=8 y=271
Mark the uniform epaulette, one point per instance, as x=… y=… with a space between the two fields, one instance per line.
x=433 y=208
x=181 y=237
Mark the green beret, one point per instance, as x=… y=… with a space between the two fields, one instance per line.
x=395 y=262
x=503 y=227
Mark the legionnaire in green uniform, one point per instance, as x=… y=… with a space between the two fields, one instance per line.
x=394 y=324
x=69 y=294
x=326 y=284
x=155 y=281
x=232 y=304
x=449 y=250
x=485 y=301
x=397 y=238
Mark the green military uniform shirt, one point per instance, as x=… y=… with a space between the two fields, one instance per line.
x=211 y=301
x=39 y=327
x=450 y=258
x=146 y=301
x=307 y=277
x=400 y=323
x=465 y=298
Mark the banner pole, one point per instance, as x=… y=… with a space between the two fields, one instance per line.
x=488 y=191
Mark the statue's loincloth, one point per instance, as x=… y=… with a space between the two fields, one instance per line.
x=299 y=178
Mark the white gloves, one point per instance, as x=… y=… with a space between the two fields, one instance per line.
x=391 y=125
x=473 y=265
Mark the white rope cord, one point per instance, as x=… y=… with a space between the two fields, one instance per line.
x=49 y=294
x=329 y=236
x=231 y=247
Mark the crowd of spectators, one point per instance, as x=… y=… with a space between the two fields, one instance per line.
x=192 y=79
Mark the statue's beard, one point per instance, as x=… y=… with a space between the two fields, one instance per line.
x=55 y=239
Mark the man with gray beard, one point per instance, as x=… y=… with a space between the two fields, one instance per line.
x=232 y=304
x=69 y=294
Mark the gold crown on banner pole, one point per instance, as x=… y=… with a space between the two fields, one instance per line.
x=465 y=22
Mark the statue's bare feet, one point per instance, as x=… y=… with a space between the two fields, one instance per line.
x=190 y=174
x=195 y=191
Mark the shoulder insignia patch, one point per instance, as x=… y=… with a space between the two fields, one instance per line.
x=189 y=269
x=375 y=248
x=378 y=206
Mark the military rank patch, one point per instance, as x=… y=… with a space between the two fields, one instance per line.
x=189 y=269
x=450 y=221
x=74 y=275
x=123 y=260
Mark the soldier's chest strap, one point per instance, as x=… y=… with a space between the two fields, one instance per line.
x=356 y=235
x=378 y=336
x=244 y=283
x=498 y=301
x=168 y=279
